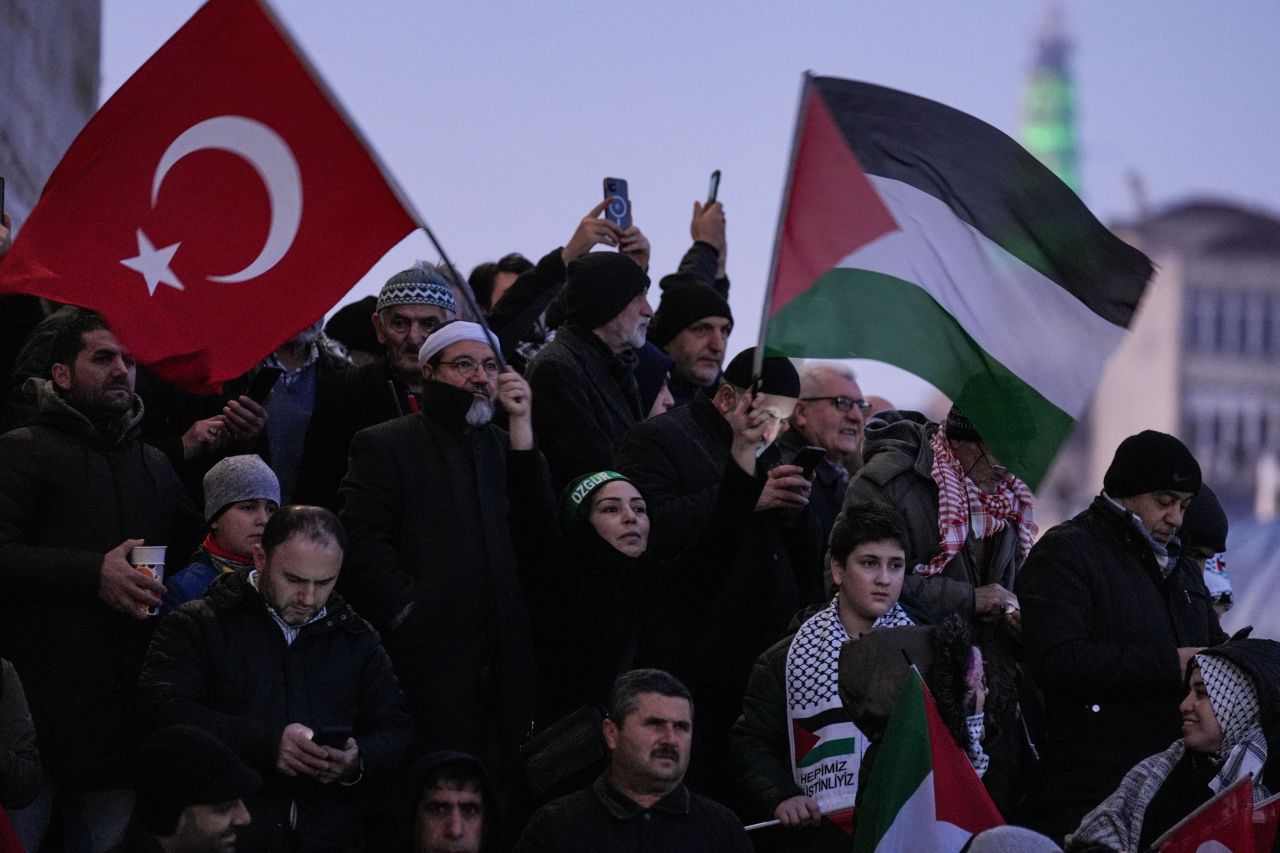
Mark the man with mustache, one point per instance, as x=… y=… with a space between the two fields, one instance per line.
x=429 y=502
x=79 y=489
x=640 y=802
x=1111 y=616
x=411 y=305
x=279 y=668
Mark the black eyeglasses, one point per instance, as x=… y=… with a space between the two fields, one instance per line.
x=844 y=404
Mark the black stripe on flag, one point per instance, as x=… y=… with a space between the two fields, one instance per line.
x=990 y=182
x=829 y=717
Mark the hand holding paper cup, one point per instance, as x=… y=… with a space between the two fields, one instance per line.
x=148 y=559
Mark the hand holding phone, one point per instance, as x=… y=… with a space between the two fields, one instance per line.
x=262 y=384
x=808 y=458
x=619 y=210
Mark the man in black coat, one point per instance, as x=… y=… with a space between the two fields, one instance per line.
x=78 y=489
x=640 y=802
x=585 y=379
x=676 y=460
x=411 y=305
x=427 y=502
x=1111 y=617
x=284 y=672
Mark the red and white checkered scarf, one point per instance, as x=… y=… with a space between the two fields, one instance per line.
x=960 y=500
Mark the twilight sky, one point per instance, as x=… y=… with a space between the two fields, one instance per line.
x=499 y=119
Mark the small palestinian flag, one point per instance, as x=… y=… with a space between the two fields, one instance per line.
x=917 y=235
x=922 y=793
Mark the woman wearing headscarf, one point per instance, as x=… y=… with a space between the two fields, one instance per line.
x=1229 y=730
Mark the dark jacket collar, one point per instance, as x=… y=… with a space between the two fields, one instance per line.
x=622 y=807
x=446 y=405
x=231 y=590
x=707 y=416
x=54 y=410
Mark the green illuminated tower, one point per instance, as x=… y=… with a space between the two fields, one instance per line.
x=1049 y=127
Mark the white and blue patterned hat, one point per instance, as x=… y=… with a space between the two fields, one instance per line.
x=419 y=285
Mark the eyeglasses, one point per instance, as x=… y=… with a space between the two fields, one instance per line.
x=844 y=404
x=467 y=366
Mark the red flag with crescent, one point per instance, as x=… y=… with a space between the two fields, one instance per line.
x=217 y=204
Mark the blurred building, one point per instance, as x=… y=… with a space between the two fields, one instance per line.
x=1048 y=109
x=49 y=74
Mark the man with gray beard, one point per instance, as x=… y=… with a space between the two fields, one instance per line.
x=431 y=564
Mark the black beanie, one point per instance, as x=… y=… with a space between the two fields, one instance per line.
x=1204 y=524
x=1151 y=461
x=598 y=286
x=959 y=427
x=180 y=766
x=777 y=374
x=652 y=370
x=685 y=300
x=352 y=327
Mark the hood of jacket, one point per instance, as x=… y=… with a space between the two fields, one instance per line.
x=53 y=409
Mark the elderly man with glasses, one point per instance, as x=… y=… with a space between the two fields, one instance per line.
x=970 y=524
x=428 y=504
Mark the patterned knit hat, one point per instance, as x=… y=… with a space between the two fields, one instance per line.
x=417 y=286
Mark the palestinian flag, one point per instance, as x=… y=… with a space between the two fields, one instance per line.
x=922 y=793
x=917 y=235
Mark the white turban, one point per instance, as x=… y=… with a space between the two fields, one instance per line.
x=453 y=332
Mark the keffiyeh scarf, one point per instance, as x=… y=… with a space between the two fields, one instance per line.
x=962 y=505
x=826 y=747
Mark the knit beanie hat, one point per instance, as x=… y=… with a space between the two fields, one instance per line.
x=598 y=286
x=685 y=300
x=652 y=370
x=1204 y=524
x=417 y=286
x=238 y=478
x=778 y=375
x=1151 y=461
x=959 y=427
x=180 y=766
x=350 y=326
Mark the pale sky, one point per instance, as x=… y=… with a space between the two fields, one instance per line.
x=499 y=120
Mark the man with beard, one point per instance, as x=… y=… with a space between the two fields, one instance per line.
x=282 y=670
x=585 y=378
x=692 y=326
x=78 y=490
x=411 y=305
x=432 y=565
x=640 y=802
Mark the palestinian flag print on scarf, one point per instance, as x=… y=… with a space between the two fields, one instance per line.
x=917 y=235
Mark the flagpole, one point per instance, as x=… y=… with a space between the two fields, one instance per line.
x=758 y=361
x=396 y=189
x=765 y=824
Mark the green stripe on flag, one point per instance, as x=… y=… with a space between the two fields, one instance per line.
x=842 y=746
x=902 y=762
x=861 y=314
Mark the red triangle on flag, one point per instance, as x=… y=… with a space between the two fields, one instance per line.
x=217 y=204
x=1226 y=819
x=959 y=794
x=805 y=740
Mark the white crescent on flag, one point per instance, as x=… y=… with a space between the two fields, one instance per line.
x=270 y=157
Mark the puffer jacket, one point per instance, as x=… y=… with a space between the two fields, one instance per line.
x=69 y=494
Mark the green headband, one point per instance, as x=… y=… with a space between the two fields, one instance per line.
x=589 y=484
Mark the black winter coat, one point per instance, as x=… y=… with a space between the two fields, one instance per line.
x=221 y=663
x=676 y=460
x=1101 y=630
x=346 y=403
x=430 y=562
x=69 y=494
x=586 y=399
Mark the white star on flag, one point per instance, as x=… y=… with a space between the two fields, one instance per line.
x=154 y=263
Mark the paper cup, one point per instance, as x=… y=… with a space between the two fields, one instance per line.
x=150 y=560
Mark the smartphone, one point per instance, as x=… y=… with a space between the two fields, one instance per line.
x=714 y=190
x=336 y=738
x=808 y=458
x=619 y=210
x=263 y=383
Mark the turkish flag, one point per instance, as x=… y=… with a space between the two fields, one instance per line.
x=1266 y=816
x=216 y=205
x=1226 y=820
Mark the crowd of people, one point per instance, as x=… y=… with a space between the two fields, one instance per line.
x=520 y=563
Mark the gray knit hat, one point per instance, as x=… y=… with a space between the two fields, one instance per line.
x=420 y=285
x=238 y=478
